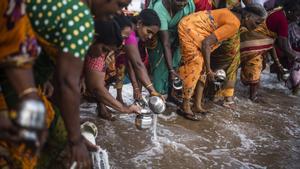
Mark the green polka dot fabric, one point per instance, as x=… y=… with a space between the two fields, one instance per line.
x=67 y=24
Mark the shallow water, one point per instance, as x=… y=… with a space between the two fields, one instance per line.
x=264 y=135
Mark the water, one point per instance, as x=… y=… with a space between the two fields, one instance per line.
x=155 y=128
x=255 y=135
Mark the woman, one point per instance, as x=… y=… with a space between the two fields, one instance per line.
x=145 y=26
x=293 y=82
x=108 y=39
x=122 y=62
x=201 y=33
x=254 y=45
x=165 y=57
x=66 y=30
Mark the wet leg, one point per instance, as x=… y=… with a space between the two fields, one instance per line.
x=198 y=98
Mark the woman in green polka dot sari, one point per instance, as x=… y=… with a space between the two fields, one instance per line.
x=67 y=28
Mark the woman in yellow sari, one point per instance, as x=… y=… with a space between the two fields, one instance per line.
x=201 y=33
x=255 y=44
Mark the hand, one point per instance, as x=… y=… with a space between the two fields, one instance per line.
x=173 y=74
x=211 y=76
x=8 y=131
x=48 y=89
x=137 y=95
x=82 y=87
x=280 y=73
x=80 y=154
x=155 y=93
x=134 y=109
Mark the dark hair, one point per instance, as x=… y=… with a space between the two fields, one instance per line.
x=108 y=32
x=148 y=17
x=252 y=8
x=291 y=5
x=123 y=21
x=257 y=9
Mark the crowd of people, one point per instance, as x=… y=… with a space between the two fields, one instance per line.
x=55 y=52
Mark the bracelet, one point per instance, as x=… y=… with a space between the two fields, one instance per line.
x=171 y=70
x=149 y=85
x=28 y=91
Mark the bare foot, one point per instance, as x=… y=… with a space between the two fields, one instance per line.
x=199 y=109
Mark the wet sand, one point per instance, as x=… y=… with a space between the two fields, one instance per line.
x=254 y=135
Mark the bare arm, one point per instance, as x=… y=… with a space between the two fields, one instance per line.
x=138 y=66
x=206 y=50
x=96 y=84
x=132 y=75
x=283 y=44
x=164 y=36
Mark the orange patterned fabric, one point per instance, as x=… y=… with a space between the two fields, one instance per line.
x=18 y=154
x=193 y=29
x=16 y=35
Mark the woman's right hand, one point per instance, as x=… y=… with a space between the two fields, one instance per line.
x=211 y=76
x=80 y=155
x=134 y=109
x=173 y=74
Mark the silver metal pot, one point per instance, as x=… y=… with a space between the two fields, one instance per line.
x=31 y=115
x=220 y=75
x=286 y=74
x=156 y=104
x=177 y=84
x=143 y=121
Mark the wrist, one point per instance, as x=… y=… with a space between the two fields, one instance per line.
x=75 y=140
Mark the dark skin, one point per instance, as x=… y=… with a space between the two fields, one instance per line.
x=67 y=79
x=67 y=94
x=20 y=79
x=104 y=10
x=173 y=8
x=249 y=21
x=95 y=81
x=133 y=54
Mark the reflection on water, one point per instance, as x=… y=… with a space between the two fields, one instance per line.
x=264 y=135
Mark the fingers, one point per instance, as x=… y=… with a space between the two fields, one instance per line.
x=90 y=146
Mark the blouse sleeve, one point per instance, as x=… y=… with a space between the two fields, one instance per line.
x=278 y=23
x=131 y=40
x=228 y=26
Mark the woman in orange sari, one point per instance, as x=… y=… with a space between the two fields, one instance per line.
x=201 y=33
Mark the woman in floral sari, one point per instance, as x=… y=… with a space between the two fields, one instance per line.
x=199 y=34
x=164 y=59
x=254 y=44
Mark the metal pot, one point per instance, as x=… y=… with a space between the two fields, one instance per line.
x=177 y=83
x=143 y=121
x=156 y=104
x=286 y=74
x=220 y=75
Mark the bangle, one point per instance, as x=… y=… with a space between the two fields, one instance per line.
x=28 y=91
x=149 y=85
x=172 y=70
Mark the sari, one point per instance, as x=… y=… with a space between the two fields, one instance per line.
x=18 y=45
x=193 y=29
x=293 y=82
x=254 y=45
x=158 y=68
x=227 y=57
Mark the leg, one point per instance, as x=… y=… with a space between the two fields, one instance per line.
x=198 y=98
x=119 y=95
x=253 y=91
